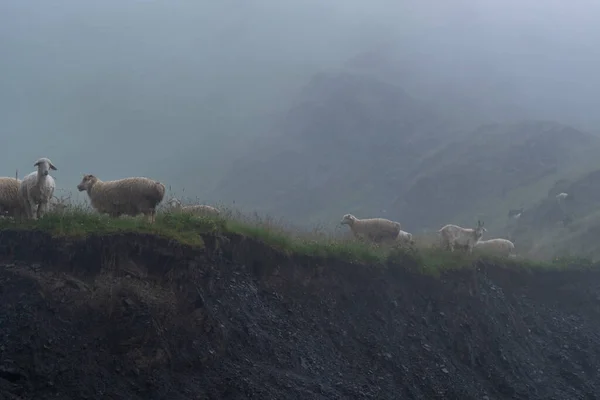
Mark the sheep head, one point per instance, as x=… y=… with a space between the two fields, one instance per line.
x=44 y=165
x=87 y=182
x=348 y=219
x=174 y=202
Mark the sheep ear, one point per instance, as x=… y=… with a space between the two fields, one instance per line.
x=36 y=164
x=52 y=167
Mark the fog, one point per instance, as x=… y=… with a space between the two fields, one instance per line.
x=178 y=90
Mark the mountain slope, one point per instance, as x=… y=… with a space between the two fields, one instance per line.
x=482 y=172
x=353 y=144
x=346 y=145
x=554 y=228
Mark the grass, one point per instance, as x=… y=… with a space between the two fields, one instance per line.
x=75 y=221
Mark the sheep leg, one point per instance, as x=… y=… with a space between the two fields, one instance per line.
x=152 y=216
x=26 y=209
x=32 y=210
x=41 y=210
x=45 y=208
x=148 y=216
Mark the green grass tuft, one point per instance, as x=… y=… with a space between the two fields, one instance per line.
x=78 y=223
x=187 y=229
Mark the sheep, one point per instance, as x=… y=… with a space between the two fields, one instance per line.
x=515 y=213
x=37 y=188
x=501 y=247
x=452 y=235
x=197 y=209
x=128 y=196
x=405 y=237
x=561 y=196
x=375 y=229
x=10 y=201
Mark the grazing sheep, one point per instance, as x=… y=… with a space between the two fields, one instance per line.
x=128 y=196
x=405 y=237
x=37 y=188
x=375 y=229
x=452 y=235
x=10 y=202
x=197 y=209
x=561 y=196
x=515 y=213
x=500 y=247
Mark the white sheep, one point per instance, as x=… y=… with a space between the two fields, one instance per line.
x=128 y=196
x=37 y=188
x=405 y=237
x=197 y=209
x=375 y=229
x=10 y=202
x=452 y=235
x=500 y=247
x=561 y=196
x=515 y=213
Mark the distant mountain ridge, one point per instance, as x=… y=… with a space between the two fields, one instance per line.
x=352 y=143
x=490 y=163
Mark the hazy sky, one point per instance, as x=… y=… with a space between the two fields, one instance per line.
x=175 y=89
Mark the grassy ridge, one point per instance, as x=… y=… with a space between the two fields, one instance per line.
x=187 y=229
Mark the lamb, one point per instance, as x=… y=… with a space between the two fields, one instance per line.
x=197 y=209
x=375 y=229
x=37 y=188
x=128 y=196
x=405 y=237
x=10 y=202
x=452 y=235
x=500 y=247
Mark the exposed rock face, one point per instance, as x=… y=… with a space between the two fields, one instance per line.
x=139 y=317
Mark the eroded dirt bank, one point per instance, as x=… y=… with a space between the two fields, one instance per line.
x=138 y=317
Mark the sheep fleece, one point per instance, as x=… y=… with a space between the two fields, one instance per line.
x=495 y=246
x=376 y=227
x=200 y=210
x=457 y=235
x=9 y=194
x=32 y=194
x=126 y=196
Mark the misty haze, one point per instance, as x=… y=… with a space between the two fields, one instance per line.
x=422 y=113
x=294 y=121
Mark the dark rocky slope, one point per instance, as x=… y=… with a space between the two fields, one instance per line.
x=139 y=317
